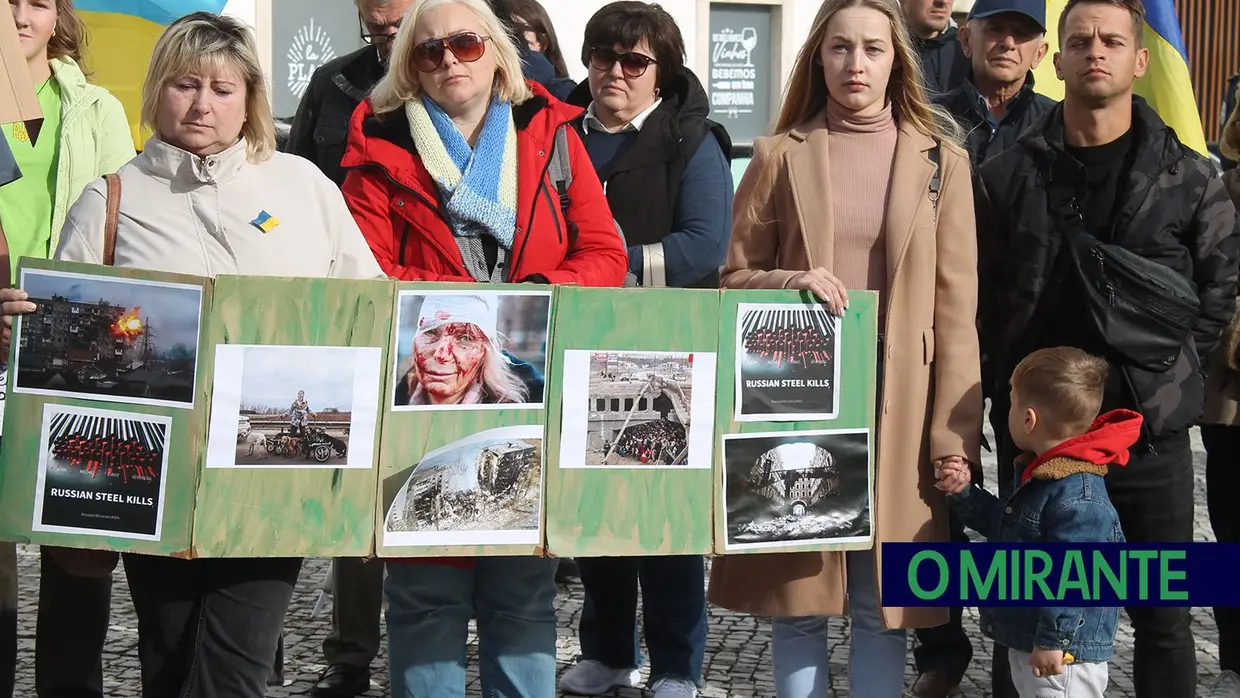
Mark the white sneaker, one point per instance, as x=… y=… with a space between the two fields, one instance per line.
x=674 y=688
x=593 y=678
x=1227 y=685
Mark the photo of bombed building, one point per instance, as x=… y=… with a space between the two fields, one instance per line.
x=486 y=485
x=796 y=486
x=113 y=338
x=639 y=407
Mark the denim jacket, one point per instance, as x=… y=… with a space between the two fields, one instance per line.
x=1065 y=500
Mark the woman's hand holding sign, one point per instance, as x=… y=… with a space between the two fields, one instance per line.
x=825 y=285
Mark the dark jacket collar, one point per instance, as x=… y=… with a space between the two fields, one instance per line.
x=1156 y=145
x=357 y=72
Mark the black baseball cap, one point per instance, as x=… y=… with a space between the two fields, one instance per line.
x=1033 y=9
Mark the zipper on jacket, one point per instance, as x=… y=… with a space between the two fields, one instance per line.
x=559 y=232
x=542 y=185
x=416 y=194
x=404 y=243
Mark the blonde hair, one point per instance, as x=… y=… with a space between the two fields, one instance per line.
x=1065 y=384
x=203 y=40
x=401 y=85
x=806 y=93
x=1229 y=144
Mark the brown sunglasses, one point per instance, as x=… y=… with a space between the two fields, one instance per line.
x=466 y=46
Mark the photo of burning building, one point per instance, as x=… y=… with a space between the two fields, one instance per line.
x=119 y=340
x=101 y=472
x=480 y=484
x=796 y=487
x=639 y=408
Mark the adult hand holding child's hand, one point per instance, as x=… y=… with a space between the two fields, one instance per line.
x=953 y=474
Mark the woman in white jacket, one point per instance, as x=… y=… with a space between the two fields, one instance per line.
x=202 y=199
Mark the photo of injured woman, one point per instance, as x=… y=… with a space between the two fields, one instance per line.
x=482 y=350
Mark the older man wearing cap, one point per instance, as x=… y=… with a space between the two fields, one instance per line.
x=1004 y=41
x=457 y=358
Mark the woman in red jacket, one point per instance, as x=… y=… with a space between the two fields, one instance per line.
x=448 y=179
x=449 y=162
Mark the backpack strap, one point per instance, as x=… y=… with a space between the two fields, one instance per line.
x=113 y=211
x=561 y=173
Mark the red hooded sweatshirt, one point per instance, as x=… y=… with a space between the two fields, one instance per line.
x=1106 y=443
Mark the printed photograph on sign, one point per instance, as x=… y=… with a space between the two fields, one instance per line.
x=788 y=363
x=101 y=473
x=794 y=488
x=482 y=490
x=294 y=407
x=636 y=409
x=115 y=340
x=469 y=351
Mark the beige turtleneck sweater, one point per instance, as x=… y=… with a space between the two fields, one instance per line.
x=861 y=149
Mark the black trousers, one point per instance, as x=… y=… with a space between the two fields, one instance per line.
x=1153 y=495
x=71 y=630
x=209 y=628
x=1222 y=485
x=946 y=648
x=357 y=610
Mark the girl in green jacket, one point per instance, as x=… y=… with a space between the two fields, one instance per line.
x=84 y=136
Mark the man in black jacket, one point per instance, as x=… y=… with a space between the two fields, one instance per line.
x=1005 y=41
x=938 y=43
x=1114 y=169
x=319 y=133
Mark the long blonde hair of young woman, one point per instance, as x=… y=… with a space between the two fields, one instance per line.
x=806 y=94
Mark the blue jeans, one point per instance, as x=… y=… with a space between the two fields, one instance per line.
x=429 y=608
x=800 y=646
x=673 y=612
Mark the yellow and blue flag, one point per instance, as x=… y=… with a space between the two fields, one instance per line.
x=122 y=35
x=1167 y=84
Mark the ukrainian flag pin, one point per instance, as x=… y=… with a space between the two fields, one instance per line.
x=265 y=222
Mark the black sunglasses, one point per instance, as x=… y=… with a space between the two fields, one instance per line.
x=466 y=46
x=633 y=65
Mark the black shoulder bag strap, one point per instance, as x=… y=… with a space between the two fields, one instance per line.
x=936 y=180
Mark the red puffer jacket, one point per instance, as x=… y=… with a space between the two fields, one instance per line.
x=395 y=202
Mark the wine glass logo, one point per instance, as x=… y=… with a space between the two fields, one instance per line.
x=749 y=39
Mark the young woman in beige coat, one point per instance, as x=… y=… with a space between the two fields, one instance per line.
x=841 y=198
x=1220 y=432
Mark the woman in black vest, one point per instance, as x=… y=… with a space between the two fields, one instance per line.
x=665 y=171
x=663 y=163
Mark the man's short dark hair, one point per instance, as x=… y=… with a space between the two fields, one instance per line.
x=1135 y=8
x=626 y=23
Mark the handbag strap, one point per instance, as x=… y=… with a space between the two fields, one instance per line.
x=109 y=226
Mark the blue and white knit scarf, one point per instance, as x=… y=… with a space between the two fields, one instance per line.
x=480 y=183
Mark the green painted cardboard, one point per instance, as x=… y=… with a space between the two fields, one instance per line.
x=409 y=436
x=23 y=420
x=859 y=352
x=637 y=510
x=276 y=512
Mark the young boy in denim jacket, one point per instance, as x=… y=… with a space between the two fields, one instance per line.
x=1061 y=496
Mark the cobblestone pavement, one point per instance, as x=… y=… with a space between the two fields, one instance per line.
x=737 y=653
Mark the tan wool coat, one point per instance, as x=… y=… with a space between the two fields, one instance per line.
x=931 y=387
x=1223 y=378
